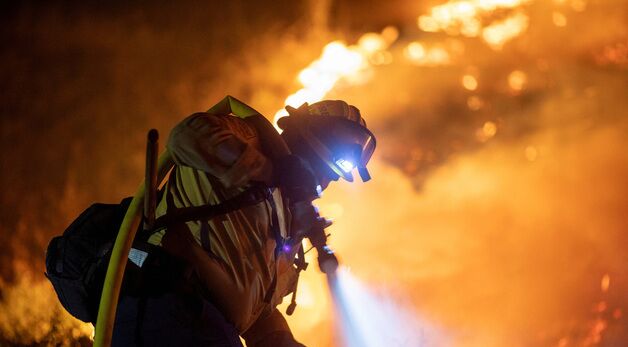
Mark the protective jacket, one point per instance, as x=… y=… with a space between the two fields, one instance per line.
x=219 y=155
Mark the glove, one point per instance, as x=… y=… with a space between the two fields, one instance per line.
x=305 y=217
x=296 y=177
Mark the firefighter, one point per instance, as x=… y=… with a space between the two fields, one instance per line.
x=232 y=270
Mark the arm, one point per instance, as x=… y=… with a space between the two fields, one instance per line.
x=222 y=146
x=270 y=330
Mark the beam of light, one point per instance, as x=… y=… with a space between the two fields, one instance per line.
x=366 y=318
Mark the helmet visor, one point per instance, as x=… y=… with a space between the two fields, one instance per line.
x=348 y=143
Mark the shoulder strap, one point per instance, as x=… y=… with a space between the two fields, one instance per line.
x=251 y=196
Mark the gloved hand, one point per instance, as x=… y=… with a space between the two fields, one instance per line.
x=295 y=176
x=305 y=217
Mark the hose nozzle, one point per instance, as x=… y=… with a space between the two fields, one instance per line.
x=327 y=261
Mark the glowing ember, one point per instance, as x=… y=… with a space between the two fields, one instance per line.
x=606 y=282
x=517 y=80
x=617 y=313
x=616 y=54
x=418 y=54
x=415 y=51
x=601 y=306
x=475 y=103
x=559 y=19
x=490 y=129
x=595 y=333
x=390 y=34
x=497 y=34
x=486 y=132
x=531 y=153
x=469 y=82
x=372 y=42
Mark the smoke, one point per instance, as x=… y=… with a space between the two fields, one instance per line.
x=497 y=249
x=518 y=239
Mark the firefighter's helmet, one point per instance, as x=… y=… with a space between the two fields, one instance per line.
x=336 y=132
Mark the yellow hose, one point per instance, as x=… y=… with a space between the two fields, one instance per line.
x=119 y=256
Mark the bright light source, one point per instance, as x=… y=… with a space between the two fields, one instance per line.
x=345 y=165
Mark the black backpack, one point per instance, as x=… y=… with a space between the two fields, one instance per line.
x=77 y=261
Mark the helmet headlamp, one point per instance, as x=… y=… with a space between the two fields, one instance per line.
x=346 y=165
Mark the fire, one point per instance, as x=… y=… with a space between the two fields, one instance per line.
x=497 y=34
x=606 y=283
x=469 y=18
x=486 y=132
x=421 y=55
x=337 y=62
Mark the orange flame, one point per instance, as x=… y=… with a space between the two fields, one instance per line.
x=337 y=62
x=467 y=18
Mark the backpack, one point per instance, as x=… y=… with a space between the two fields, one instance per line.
x=77 y=261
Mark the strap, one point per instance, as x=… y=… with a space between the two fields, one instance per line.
x=301 y=265
x=251 y=196
x=279 y=243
